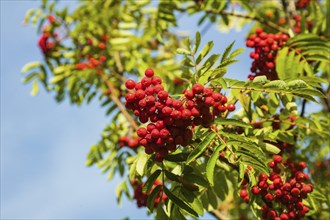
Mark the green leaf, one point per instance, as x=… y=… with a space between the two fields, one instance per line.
x=206 y=49
x=201 y=147
x=212 y=198
x=171 y=176
x=298 y=83
x=272 y=148
x=232 y=122
x=177 y=201
x=160 y=214
x=281 y=62
x=30 y=66
x=253 y=160
x=180 y=157
x=227 y=51
x=310 y=92
x=152 y=197
x=141 y=163
x=277 y=84
x=197 y=41
x=35 y=88
x=58 y=78
x=151 y=180
x=193 y=200
x=183 y=51
x=212 y=162
x=260 y=79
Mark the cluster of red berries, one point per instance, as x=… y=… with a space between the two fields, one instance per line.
x=297 y=24
x=48 y=39
x=265 y=50
x=284 y=147
x=101 y=44
x=171 y=121
x=142 y=197
x=301 y=4
x=94 y=62
x=129 y=142
x=243 y=193
x=284 y=195
x=91 y=64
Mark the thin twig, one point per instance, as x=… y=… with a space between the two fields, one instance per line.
x=303 y=108
x=115 y=99
x=246 y=16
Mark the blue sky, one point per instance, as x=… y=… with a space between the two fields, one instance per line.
x=44 y=144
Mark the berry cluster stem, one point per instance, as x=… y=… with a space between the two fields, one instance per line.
x=118 y=102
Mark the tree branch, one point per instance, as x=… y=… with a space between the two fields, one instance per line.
x=246 y=16
x=115 y=99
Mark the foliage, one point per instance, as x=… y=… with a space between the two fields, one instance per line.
x=90 y=52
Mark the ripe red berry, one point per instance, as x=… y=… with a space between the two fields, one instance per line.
x=302 y=165
x=295 y=192
x=197 y=88
x=307 y=188
x=231 y=107
x=223 y=100
x=272 y=164
x=146 y=82
x=142 y=132
x=255 y=190
x=209 y=101
x=167 y=111
x=246 y=199
x=243 y=193
x=269 y=197
x=189 y=94
x=149 y=73
x=162 y=95
x=155 y=133
x=186 y=114
x=222 y=108
x=164 y=133
x=130 y=84
x=130 y=97
x=102 y=46
x=277 y=159
x=156 y=80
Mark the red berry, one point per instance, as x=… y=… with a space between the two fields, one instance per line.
x=164 y=133
x=149 y=73
x=146 y=82
x=223 y=100
x=162 y=95
x=197 y=88
x=142 y=132
x=269 y=197
x=189 y=94
x=166 y=111
x=255 y=190
x=155 y=133
x=130 y=97
x=186 y=114
x=295 y=192
x=139 y=94
x=243 y=193
x=302 y=165
x=277 y=159
x=156 y=80
x=231 y=107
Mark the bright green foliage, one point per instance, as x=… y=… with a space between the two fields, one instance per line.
x=101 y=44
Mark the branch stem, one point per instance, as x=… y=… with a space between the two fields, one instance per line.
x=115 y=99
x=246 y=16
